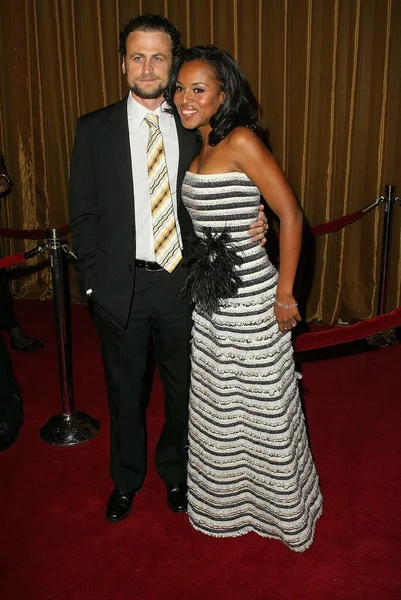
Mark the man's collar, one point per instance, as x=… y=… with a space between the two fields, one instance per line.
x=137 y=112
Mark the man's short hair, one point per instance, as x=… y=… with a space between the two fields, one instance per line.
x=150 y=22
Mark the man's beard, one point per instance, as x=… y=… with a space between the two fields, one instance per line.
x=151 y=95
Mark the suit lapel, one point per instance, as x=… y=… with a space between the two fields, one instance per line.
x=118 y=136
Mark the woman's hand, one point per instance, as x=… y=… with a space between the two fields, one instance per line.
x=258 y=228
x=286 y=313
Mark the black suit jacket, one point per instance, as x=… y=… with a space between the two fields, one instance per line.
x=102 y=214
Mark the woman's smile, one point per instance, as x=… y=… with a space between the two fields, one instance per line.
x=198 y=94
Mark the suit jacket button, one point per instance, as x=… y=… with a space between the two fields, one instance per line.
x=129 y=267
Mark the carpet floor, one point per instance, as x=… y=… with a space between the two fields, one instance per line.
x=56 y=545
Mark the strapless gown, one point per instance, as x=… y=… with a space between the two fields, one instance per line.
x=250 y=467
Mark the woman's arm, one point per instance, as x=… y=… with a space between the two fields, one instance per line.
x=254 y=159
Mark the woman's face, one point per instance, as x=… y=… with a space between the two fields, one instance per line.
x=198 y=94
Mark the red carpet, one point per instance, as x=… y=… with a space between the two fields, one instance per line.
x=56 y=545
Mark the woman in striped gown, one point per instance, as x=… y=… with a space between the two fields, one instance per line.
x=250 y=467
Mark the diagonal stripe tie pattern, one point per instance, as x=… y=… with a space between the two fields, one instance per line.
x=167 y=245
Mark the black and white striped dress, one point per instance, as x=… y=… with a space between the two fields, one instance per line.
x=250 y=467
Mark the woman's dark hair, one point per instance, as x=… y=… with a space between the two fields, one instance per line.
x=149 y=22
x=239 y=107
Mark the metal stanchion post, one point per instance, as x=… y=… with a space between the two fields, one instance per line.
x=69 y=427
x=388 y=337
x=385 y=258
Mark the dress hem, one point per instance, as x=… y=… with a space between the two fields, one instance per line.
x=250 y=529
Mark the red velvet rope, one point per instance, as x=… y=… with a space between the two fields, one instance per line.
x=306 y=341
x=337 y=224
x=13 y=259
x=348 y=333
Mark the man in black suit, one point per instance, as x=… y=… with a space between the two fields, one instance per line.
x=136 y=302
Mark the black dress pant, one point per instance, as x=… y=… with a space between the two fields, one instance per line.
x=159 y=317
x=8 y=319
x=10 y=393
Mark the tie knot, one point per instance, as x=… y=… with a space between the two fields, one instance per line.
x=152 y=120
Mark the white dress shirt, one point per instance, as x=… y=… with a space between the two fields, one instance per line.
x=138 y=139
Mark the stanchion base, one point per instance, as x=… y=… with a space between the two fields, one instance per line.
x=389 y=337
x=69 y=430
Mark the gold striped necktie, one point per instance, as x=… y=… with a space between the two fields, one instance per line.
x=167 y=245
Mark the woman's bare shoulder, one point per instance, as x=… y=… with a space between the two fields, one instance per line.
x=242 y=135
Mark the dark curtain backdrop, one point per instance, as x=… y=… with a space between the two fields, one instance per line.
x=327 y=74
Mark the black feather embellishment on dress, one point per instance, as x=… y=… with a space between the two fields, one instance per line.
x=212 y=276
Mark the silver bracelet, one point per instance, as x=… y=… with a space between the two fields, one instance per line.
x=286 y=305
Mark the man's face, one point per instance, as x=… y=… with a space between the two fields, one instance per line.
x=147 y=64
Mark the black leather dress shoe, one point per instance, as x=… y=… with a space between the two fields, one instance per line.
x=177 y=497
x=8 y=434
x=119 y=506
x=31 y=346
